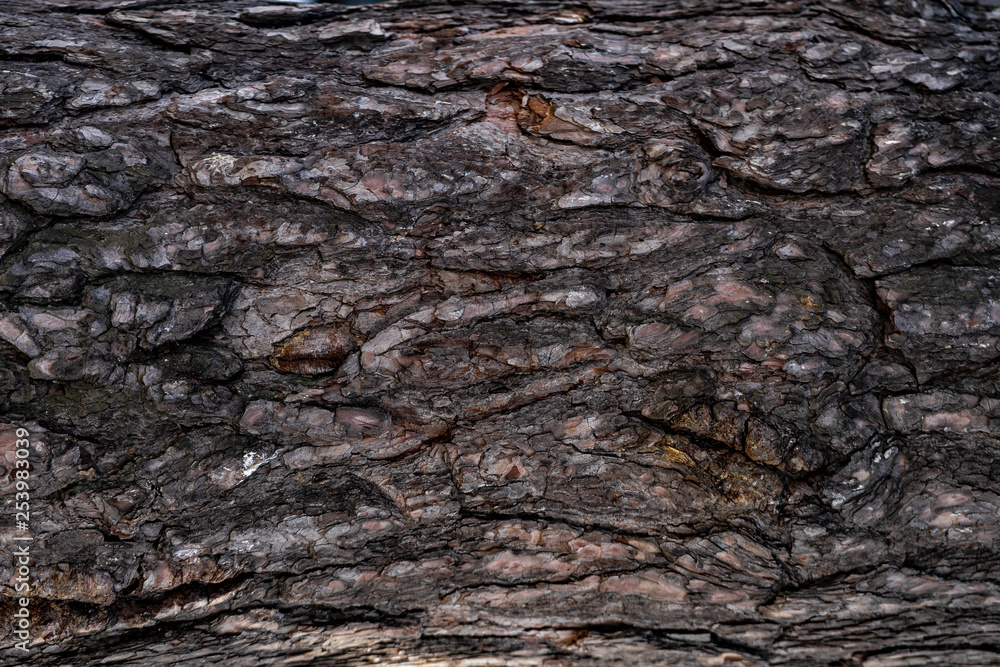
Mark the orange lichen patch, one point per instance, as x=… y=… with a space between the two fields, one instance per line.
x=809 y=302
x=677 y=456
x=813 y=309
x=313 y=351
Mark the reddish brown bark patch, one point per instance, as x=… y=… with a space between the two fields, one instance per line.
x=313 y=351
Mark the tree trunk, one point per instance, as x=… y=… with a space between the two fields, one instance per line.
x=616 y=332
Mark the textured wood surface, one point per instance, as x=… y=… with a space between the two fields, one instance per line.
x=503 y=333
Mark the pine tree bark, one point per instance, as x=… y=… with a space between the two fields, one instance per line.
x=520 y=333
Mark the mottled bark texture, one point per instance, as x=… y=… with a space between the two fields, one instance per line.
x=613 y=332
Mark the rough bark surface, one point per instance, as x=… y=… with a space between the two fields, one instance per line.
x=612 y=332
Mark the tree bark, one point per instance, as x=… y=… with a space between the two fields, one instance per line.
x=502 y=333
